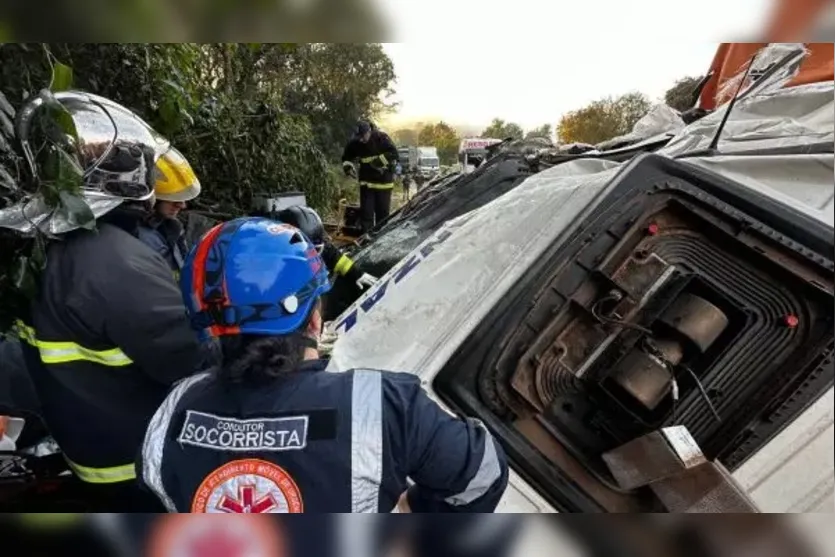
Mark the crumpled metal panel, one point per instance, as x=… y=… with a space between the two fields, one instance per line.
x=487 y=252
x=793 y=117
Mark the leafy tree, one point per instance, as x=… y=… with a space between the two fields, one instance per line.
x=682 y=96
x=603 y=119
x=443 y=137
x=334 y=85
x=249 y=117
x=545 y=131
x=500 y=129
x=405 y=137
x=221 y=104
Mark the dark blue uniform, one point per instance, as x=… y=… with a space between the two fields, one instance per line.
x=313 y=441
x=165 y=237
x=106 y=338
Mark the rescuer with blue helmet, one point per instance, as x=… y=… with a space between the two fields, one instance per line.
x=270 y=431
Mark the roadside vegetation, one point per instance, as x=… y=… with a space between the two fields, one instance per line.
x=249 y=117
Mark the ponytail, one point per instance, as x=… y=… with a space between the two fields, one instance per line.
x=251 y=358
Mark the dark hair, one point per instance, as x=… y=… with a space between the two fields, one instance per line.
x=256 y=358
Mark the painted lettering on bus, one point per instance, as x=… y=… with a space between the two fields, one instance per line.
x=409 y=265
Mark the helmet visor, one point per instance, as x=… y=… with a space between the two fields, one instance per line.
x=112 y=147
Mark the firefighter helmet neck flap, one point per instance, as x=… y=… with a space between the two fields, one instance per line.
x=252 y=276
x=307 y=220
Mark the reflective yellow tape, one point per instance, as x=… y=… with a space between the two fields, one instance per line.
x=388 y=186
x=65 y=352
x=111 y=475
x=343 y=265
x=367 y=160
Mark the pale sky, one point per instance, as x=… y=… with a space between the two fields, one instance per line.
x=542 y=58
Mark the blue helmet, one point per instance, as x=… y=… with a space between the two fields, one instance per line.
x=252 y=276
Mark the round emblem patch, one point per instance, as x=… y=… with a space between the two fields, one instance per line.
x=249 y=486
x=184 y=535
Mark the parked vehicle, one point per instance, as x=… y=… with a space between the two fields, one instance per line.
x=473 y=152
x=403 y=156
x=424 y=161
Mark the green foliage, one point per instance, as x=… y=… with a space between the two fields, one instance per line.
x=346 y=186
x=61 y=78
x=603 y=119
x=334 y=85
x=683 y=95
x=443 y=137
x=250 y=118
x=545 y=131
x=499 y=129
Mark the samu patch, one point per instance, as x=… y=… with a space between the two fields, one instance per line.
x=248 y=486
x=219 y=433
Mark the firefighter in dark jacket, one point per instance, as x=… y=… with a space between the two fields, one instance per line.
x=377 y=156
x=310 y=223
x=175 y=185
x=270 y=431
x=107 y=334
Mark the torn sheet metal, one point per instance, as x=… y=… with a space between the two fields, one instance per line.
x=796 y=117
x=770 y=69
x=660 y=120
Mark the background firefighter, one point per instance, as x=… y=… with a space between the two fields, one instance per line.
x=377 y=156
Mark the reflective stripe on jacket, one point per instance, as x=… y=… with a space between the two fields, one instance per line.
x=65 y=352
x=104 y=341
x=313 y=441
x=339 y=263
x=376 y=157
x=373 y=186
